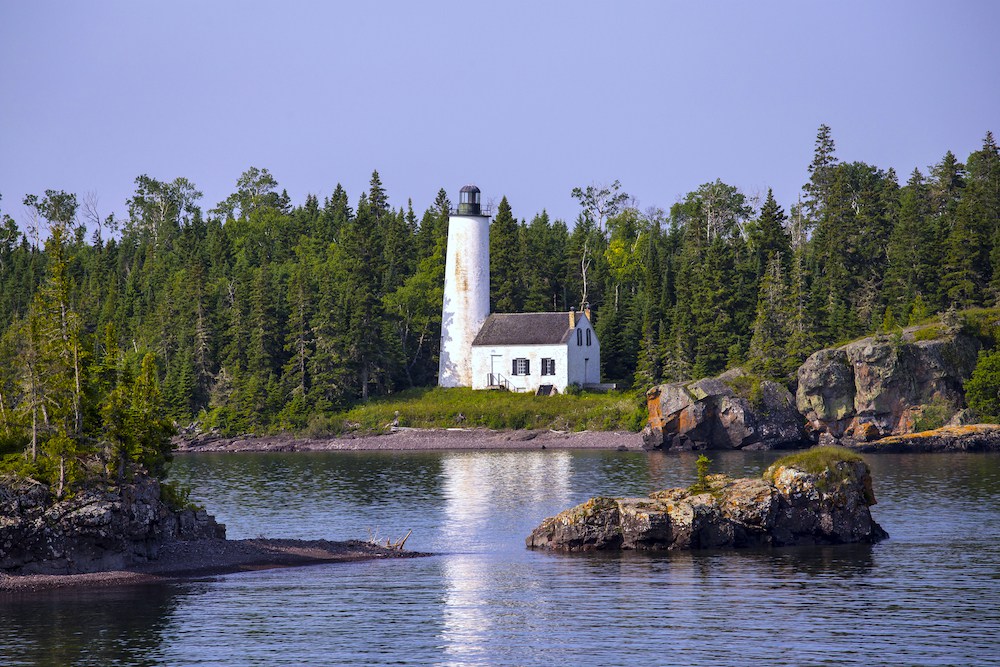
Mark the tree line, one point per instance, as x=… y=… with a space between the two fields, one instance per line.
x=260 y=315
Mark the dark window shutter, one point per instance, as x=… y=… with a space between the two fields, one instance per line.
x=527 y=367
x=513 y=367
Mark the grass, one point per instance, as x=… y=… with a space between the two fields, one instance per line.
x=815 y=460
x=446 y=408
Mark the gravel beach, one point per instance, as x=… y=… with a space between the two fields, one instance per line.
x=205 y=558
x=414 y=439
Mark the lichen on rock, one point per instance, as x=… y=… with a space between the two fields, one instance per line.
x=731 y=411
x=876 y=387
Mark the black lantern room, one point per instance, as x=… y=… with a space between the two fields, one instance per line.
x=468 y=201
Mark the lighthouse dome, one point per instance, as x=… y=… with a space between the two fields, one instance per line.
x=468 y=201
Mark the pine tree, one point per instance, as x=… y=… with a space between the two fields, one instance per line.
x=648 y=365
x=818 y=189
x=981 y=206
x=768 y=345
x=506 y=286
x=768 y=236
x=911 y=269
x=960 y=280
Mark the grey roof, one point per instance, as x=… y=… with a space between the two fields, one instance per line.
x=525 y=329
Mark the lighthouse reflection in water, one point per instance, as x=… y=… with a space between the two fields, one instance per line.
x=482 y=489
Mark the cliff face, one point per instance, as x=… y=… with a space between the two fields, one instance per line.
x=790 y=506
x=877 y=387
x=93 y=531
x=726 y=412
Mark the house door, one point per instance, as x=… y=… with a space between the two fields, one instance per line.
x=496 y=367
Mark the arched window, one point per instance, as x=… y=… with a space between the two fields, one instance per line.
x=579 y=337
x=588 y=337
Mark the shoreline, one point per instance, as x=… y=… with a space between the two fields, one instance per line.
x=185 y=560
x=976 y=437
x=418 y=439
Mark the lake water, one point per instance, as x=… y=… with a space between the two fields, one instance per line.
x=930 y=595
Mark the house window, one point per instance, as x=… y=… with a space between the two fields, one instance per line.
x=548 y=366
x=588 y=337
x=521 y=367
x=579 y=337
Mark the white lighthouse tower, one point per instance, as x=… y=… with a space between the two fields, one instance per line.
x=466 y=288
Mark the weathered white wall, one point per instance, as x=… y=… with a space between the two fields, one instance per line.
x=574 y=364
x=466 y=296
x=482 y=364
x=584 y=364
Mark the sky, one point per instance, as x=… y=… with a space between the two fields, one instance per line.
x=525 y=99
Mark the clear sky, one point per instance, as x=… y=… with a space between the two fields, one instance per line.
x=525 y=99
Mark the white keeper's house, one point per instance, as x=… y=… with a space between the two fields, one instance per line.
x=537 y=352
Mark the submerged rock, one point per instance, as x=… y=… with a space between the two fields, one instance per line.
x=731 y=411
x=878 y=386
x=95 y=530
x=793 y=504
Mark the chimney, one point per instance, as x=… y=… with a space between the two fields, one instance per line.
x=572 y=317
x=586 y=311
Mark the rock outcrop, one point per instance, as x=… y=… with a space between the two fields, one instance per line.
x=788 y=506
x=95 y=530
x=731 y=411
x=878 y=386
x=966 y=438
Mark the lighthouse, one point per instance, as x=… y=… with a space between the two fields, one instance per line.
x=466 y=288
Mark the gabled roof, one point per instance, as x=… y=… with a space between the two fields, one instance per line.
x=525 y=329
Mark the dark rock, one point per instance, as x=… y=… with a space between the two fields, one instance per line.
x=966 y=438
x=789 y=506
x=714 y=413
x=877 y=386
x=95 y=530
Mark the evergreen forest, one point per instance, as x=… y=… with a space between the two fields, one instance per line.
x=260 y=315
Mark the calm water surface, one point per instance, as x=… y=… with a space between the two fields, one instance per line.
x=927 y=596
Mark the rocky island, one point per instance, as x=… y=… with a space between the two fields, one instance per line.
x=821 y=496
x=129 y=534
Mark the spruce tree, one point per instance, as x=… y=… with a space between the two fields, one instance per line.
x=817 y=190
x=769 y=342
x=768 y=236
x=506 y=262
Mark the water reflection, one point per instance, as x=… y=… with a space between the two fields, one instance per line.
x=484 y=488
x=115 y=626
x=485 y=493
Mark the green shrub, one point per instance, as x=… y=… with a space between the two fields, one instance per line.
x=748 y=387
x=982 y=390
x=933 y=415
x=984 y=324
x=177 y=496
x=932 y=332
x=701 y=468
